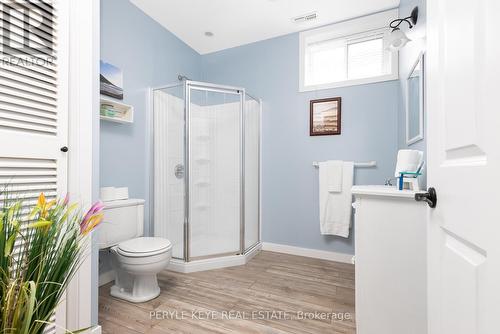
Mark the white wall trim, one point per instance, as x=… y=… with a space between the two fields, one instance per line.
x=83 y=134
x=307 y=252
x=150 y=161
x=260 y=171
x=96 y=330
x=421 y=99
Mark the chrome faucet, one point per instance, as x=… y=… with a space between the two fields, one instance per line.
x=388 y=182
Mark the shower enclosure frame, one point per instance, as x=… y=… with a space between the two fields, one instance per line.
x=187 y=86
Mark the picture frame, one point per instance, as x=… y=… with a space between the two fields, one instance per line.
x=325 y=117
x=111 y=80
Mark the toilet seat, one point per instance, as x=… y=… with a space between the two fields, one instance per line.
x=143 y=247
x=136 y=263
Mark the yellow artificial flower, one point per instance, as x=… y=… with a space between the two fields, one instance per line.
x=41 y=200
x=42 y=206
x=93 y=222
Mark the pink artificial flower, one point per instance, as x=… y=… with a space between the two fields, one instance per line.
x=92 y=218
x=66 y=199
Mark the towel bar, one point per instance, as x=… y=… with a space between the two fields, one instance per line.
x=372 y=163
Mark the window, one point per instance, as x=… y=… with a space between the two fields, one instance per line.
x=341 y=55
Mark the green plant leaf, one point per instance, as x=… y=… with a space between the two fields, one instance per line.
x=40 y=223
x=33 y=280
x=10 y=244
x=30 y=307
x=33 y=213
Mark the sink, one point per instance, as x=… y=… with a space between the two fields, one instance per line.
x=380 y=190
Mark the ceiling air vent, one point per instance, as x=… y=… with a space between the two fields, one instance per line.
x=305 y=17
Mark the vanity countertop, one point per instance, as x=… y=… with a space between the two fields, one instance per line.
x=379 y=190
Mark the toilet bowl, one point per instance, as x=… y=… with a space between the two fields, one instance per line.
x=136 y=263
x=135 y=259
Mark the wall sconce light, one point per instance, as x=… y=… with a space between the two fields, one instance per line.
x=397 y=39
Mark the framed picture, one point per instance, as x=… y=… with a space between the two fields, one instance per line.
x=111 y=81
x=325 y=117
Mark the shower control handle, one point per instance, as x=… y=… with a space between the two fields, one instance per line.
x=179 y=171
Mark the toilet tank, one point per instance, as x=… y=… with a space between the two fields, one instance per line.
x=123 y=220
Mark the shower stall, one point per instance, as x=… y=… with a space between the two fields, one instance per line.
x=206 y=179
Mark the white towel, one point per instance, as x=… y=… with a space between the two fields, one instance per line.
x=331 y=173
x=335 y=208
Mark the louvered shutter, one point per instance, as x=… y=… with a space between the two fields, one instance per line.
x=33 y=99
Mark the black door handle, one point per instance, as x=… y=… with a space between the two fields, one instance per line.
x=429 y=197
x=64 y=149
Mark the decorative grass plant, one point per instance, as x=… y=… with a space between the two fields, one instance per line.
x=41 y=248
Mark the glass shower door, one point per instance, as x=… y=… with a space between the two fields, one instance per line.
x=214 y=153
x=252 y=171
x=168 y=142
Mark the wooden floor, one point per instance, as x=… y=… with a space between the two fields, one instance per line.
x=267 y=295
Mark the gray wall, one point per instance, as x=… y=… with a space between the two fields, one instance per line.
x=270 y=70
x=149 y=56
x=407 y=58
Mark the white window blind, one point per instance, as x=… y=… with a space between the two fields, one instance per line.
x=366 y=58
x=346 y=59
x=344 y=54
x=325 y=62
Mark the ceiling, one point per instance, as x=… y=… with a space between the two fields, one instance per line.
x=238 y=22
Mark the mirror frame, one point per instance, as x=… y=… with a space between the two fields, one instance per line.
x=418 y=63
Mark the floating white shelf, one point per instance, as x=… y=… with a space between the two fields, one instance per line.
x=125 y=112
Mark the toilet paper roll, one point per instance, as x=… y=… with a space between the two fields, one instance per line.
x=408 y=161
x=121 y=193
x=107 y=194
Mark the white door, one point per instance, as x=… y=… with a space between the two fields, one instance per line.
x=33 y=99
x=463 y=100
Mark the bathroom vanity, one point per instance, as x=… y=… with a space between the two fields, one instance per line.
x=390 y=248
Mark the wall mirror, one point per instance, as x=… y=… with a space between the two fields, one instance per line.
x=415 y=102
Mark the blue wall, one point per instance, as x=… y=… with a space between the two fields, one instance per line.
x=270 y=70
x=149 y=56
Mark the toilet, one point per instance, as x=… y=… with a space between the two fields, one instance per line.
x=135 y=259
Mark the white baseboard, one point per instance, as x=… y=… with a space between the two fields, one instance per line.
x=308 y=252
x=96 y=330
